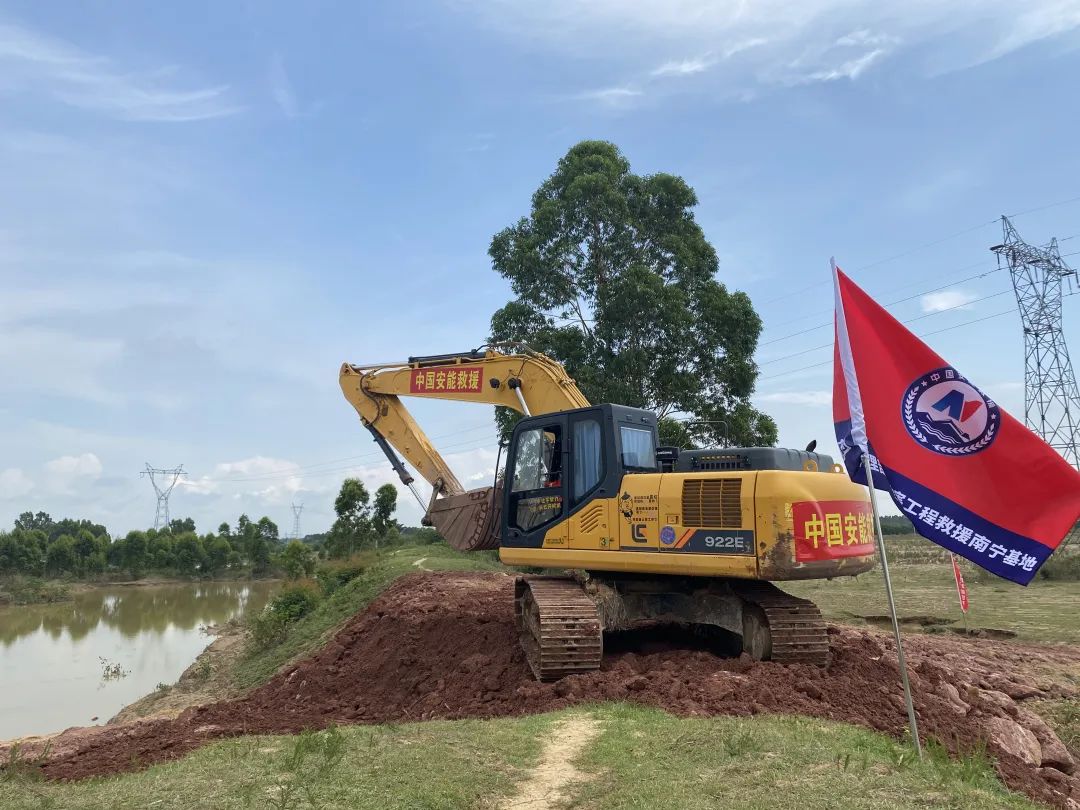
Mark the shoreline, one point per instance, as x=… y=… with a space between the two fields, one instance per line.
x=59 y=591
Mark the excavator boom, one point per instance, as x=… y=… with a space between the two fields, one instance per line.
x=525 y=381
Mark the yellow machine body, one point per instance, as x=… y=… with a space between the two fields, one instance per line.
x=783 y=525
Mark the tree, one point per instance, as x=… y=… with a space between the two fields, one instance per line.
x=382 y=516
x=136 y=554
x=181 y=525
x=298 y=560
x=189 y=554
x=217 y=553
x=352 y=529
x=615 y=279
x=28 y=521
x=60 y=557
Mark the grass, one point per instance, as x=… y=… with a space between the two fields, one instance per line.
x=312 y=630
x=430 y=765
x=646 y=758
x=22 y=590
x=1064 y=716
x=1044 y=611
x=643 y=758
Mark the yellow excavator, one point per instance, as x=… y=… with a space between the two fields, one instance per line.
x=649 y=534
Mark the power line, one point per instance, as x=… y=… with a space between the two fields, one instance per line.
x=984 y=274
x=929 y=244
x=909 y=320
x=886 y=292
x=924 y=334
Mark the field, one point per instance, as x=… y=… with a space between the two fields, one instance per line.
x=652 y=729
x=926 y=598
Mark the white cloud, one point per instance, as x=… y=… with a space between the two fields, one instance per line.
x=848 y=69
x=86 y=465
x=946 y=299
x=281 y=87
x=39 y=64
x=611 y=96
x=832 y=39
x=14 y=483
x=685 y=67
x=808 y=398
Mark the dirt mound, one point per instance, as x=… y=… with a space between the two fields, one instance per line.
x=444 y=646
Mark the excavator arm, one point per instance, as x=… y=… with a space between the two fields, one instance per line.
x=526 y=381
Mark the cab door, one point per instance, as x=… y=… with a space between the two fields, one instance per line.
x=535 y=505
x=592 y=486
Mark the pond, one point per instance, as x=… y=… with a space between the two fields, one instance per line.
x=58 y=662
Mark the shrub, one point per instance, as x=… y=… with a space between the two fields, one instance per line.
x=332 y=574
x=291 y=605
x=1064 y=566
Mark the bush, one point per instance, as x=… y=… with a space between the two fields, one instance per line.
x=332 y=574
x=1064 y=566
x=291 y=605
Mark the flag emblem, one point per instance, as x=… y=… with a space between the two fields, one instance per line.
x=945 y=413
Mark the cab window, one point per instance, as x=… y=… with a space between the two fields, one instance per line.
x=536 y=489
x=588 y=458
x=638 y=448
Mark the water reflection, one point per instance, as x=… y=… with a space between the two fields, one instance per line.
x=50 y=655
x=132 y=610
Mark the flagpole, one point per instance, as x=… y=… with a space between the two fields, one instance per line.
x=892 y=606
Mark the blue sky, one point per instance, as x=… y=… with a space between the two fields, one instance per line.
x=207 y=207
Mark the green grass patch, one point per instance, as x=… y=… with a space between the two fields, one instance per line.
x=643 y=758
x=1064 y=716
x=1043 y=611
x=431 y=765
x=646 y=758
x=309 y=631
x=20 y=590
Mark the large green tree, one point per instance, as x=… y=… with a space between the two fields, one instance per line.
x=613 y=277
x=352 y=530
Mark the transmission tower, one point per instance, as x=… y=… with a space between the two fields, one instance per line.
x=296 y=510
x=161 y=515
x=1051 y=399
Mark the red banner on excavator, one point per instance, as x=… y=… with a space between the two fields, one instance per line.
x=827 y=530
x=460 y=379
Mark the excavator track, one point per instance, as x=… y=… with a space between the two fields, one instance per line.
x=559 y=626
x=781 y=627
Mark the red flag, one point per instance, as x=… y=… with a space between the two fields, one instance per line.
x=969 y=476
x=961 y=586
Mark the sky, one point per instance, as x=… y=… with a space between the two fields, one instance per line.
x=207 y=207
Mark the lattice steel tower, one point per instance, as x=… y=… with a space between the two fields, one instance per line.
x=161 y=516
x=296 y=510
x=1051 y=399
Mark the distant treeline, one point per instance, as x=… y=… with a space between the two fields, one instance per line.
x=896 y=524
x=39 y=546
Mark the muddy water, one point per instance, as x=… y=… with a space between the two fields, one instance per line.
x=53 y=658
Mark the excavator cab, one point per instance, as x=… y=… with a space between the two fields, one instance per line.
x=557 y=464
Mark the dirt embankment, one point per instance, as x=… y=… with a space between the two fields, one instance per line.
x=444 y=646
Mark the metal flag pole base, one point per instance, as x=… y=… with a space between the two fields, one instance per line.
x=892 y=607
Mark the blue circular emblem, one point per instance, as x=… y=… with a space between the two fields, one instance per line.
x=945 y=413
x=667 y=535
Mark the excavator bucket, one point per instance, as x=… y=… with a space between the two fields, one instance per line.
x=469 y=521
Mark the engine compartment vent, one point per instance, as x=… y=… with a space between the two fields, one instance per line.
x=712 y=503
